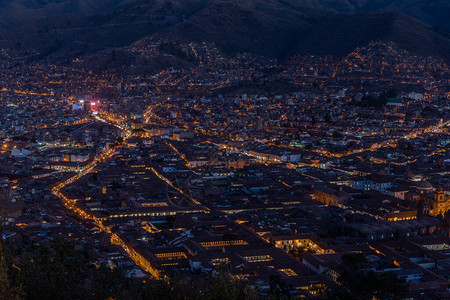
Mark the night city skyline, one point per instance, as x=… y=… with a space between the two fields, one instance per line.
x=222 y=149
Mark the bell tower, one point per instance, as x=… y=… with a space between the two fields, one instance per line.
x=441 y=203
x=439 y=195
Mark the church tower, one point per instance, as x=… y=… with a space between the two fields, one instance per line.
x=441 y=203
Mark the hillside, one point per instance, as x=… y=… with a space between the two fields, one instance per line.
x=278 y=28
x=433 y=12
x=340 y=34
x=283 y=31
x=16 y=12
x=268 y=29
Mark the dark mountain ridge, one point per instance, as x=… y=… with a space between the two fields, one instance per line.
x=433 y=12
x=15 y=12
x=278 y=28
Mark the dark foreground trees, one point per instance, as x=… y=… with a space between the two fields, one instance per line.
x=359 y=283
x=59 y=271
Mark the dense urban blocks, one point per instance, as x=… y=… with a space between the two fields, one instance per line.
x=236 y=175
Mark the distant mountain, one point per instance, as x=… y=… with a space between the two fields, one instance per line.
x=265 y=27
x=279 y=28
x=282 y=30
x=16 y=12
x=115 y=27
x=340 y=34
x=433 y=12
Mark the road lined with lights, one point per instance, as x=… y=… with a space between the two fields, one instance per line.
x=126 y=133
x=71 y=204
x=149 y=114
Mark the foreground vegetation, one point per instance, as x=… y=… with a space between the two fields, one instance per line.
x=60 y=271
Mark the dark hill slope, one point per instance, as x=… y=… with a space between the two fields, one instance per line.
x=433 y=12
x=16 y=12
x=340 y=34
x=277 y=28
x=244 y=28
x=285 y=31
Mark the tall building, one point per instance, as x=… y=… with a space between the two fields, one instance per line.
x=440 y=204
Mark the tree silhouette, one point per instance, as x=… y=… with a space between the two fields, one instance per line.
x=358 y=283
x=60 y=271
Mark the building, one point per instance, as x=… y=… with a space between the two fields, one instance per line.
x=330 y=196
x=440 y=203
